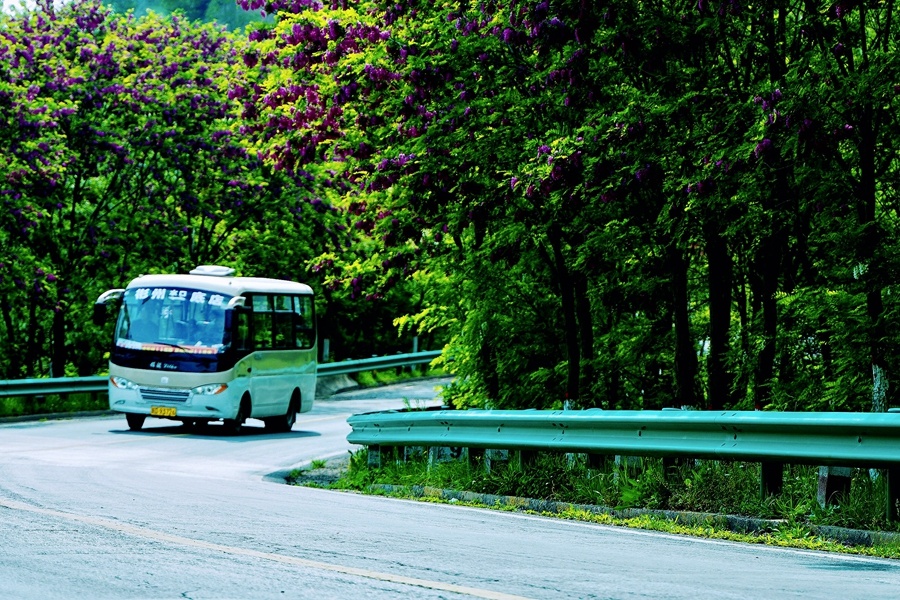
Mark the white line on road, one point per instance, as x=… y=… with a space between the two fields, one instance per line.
x=290 y=560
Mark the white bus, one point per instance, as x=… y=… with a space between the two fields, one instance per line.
x=209 y=346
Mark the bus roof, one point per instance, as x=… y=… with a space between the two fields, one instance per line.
x=231 y=286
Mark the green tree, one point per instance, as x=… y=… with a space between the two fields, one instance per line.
x=123 y=155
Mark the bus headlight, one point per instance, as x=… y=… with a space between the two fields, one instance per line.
x=122 y=383
x=210 y=390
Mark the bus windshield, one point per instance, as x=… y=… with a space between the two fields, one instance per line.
x=172 y=319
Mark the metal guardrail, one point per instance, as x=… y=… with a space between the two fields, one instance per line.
x=74 y=385
x=378 y=362
x=840 y=439
x=771 y=438
x=57 y=385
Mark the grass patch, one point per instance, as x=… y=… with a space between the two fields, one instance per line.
x=52 y=403
x=722 y=488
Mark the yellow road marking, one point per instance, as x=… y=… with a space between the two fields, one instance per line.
x=289 y=560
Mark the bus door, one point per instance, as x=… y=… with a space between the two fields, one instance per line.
x=270 y=383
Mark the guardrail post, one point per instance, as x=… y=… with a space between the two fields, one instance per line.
x=833 y=481
x=30 y=404
x=473 y=455
x=524 y=458
x=413 y=452
x=374 y=457
x=492 y=456
x=597 y=462
x=671 y=465
x=441 y=454
x=892 y=474
x=772 y=479
x=630 y=465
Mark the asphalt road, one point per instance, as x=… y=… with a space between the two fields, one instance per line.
x=89 y=509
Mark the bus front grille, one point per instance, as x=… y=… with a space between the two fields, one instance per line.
x=164 y=395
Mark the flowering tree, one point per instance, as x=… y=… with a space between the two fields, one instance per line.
x=614 y=204
x=462 y=134
x=615 y=154
x=121 y=155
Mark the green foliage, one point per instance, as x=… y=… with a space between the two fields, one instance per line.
x=727 y=487
x=693 y=486
x=70 y=403
x=125 y=155
x=615 y=205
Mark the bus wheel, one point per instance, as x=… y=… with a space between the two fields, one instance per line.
x=285 y=422
x=135 y=422
x=233 y=426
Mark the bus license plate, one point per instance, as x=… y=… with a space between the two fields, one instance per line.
x=163 y=411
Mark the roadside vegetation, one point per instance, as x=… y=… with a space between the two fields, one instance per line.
x=660 y=498
x=52 y=403
x=621 y=205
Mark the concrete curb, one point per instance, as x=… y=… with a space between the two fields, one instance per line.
x=733 y=523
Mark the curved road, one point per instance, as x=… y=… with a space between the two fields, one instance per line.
x=89 y=509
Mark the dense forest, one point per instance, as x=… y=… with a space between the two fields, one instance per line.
x=618 y=204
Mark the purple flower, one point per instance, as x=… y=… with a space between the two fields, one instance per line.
x=512 y=182
x=642 y=174
x=762 y=148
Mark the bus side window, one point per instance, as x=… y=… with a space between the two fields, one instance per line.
x=283 y=320
x=262 y=322
x=304 y=331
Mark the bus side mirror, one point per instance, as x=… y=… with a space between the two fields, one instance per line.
x=100 y=314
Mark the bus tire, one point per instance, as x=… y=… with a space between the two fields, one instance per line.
x=285 y=422
x=233 y=426
x=135 y=421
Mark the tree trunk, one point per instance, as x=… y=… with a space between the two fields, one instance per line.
x=765 y=284
x=570 y=322
x=11 y=350
x=488 y=365
x=58 y=340
x=32 y=351
x=614 y=396
x=686 y=389
x=720 y=283
x=586 y=331
x=871 y=239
